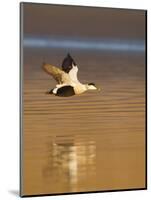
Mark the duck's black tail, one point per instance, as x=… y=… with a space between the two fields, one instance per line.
x=50 y=92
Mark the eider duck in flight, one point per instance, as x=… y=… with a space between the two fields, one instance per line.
x=68 y=83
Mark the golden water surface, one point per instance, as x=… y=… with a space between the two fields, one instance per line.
x=91 y=142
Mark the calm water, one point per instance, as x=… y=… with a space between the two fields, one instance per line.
x=94 y=141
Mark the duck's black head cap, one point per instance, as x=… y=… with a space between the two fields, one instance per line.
x=91 y=84
x=67 y=63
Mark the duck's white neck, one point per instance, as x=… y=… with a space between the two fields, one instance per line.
x=80 y=88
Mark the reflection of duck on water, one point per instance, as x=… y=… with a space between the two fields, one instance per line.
x=68 y=83
x=70 y=160
x=62 y=160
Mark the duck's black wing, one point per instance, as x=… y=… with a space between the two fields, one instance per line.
x=68 y=63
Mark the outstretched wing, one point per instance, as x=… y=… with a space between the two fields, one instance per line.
x=60 y=76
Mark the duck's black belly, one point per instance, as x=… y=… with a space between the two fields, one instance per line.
x=65 y=91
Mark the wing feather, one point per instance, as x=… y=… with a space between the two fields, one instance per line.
x=60 y=76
